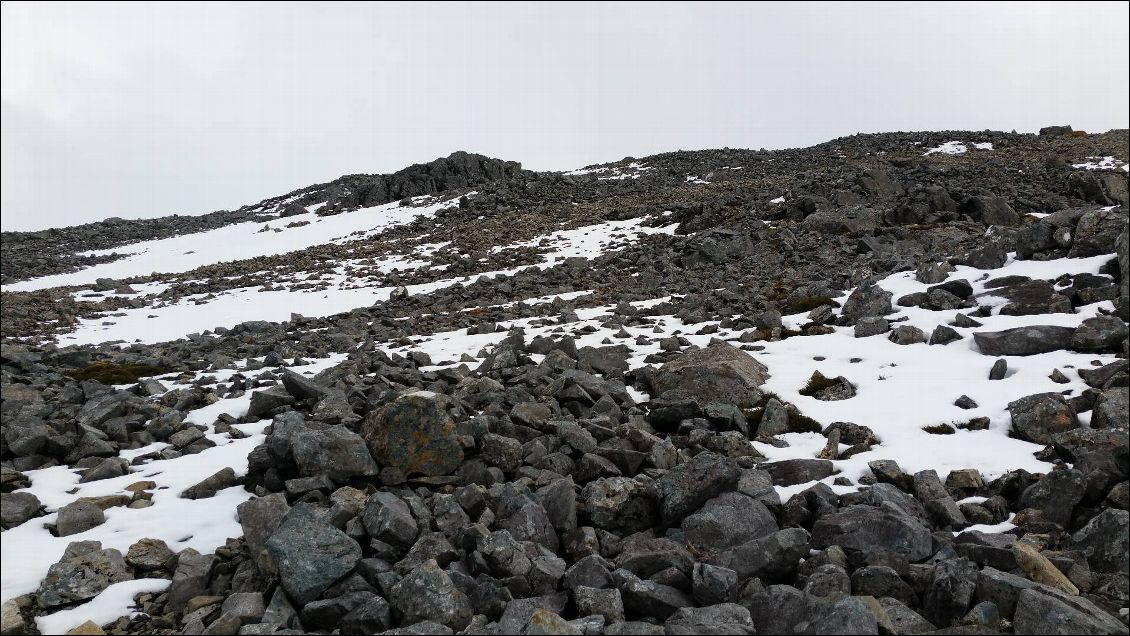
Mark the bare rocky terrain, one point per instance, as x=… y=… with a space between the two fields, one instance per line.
x=878 y=385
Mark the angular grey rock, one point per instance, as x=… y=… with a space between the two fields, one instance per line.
x=645 y=557
x=988 y=257
x=712 y=584
x=866 y=301
x=267 y=400
x=559 y=498
x=943 y=335
x=688 y=486
x=774 y=556
x=848 y=615
x=259 y=518
x=78 y=516
x=1105 y=541
x=371 y=617
x=504 y=452
x=1037 y=418
x=309 y=554
x=149 y=555
x=950 y=594
x=718 y=373
x=1042 y=610
x=82 y=573
x=1112 y=409
x=648 y=598
x=871 y=326
x=867 y=528
x=790 y=472
x=415 y=434
x=724 y=618
x=620 y=504
x=906 y=335
x=17 y=507
x=727 y=520
x=1056 y=494
x=428 y=594
x=602 y=602
x=387 y=518
x=1023 y=341
x=928 y=488
x=336 y=452
x=301 y=388
x=224 y=478
x=1101 y=333
x=990 y=210
x=1097 y=231
x=190 y=579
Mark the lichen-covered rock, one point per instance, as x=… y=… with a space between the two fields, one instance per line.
x=415 y=434
x=309 y=554
x=84 y=571
x=427 y=594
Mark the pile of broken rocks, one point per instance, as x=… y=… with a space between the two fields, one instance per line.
x=563 y=507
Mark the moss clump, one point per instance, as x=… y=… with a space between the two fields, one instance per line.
x=113 y=373
x=808 y=303
x=797 y=423
x=817 y=383
x=939 y=429
x=801 y=423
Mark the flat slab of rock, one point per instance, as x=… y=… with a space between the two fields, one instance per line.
x=718 y=373
x=1023 y=341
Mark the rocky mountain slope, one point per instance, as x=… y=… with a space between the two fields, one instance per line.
x=878 y=385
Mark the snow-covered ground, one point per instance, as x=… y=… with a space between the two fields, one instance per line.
x=236 y=242
x=1102 y=163
x=198 y=313
x=957 y=148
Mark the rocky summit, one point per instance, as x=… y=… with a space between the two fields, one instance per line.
x=878 y=385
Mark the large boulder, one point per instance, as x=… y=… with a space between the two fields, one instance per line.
x=17 y=507
x=771 y=557
x=1112 y=408
x=1038 y=417
x=870 y=529
x=309 y=554
x=1023 y=341
x=990 y=210
x=1104 y=540
x=718 y=373
x=727 y=520
x=866 y=301
x=1043 y=610
x=428 y=594
x=620 y=504
x=684 y=489
x=1097 y=232
x=336 y=452
x=84 y=571
x=1101 y=333
x=415 y=434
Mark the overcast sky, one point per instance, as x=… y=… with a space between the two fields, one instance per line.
x=140 y=110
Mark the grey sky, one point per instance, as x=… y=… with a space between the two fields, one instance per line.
x=140 y=110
